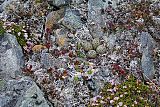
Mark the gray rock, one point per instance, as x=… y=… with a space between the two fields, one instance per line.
x=72 y=19
x=147 y=45
x=1 y=8
x=11 y=57
x=156 y=19
x=146 y=41
x=34 y=98
x=147 y=65
x=113 y=3
x=110 y=40
x=22 y=93
x=7 y=3
x=60 y=2
x=46 y=60
x=95 y=17
x=77 y=1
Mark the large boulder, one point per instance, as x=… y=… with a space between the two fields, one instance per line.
x=22 y=92
x=11 y=57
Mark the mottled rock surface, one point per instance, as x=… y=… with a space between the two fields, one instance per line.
x=22 y=93
x=147 y=51
x=72 y=19
x=11 y=57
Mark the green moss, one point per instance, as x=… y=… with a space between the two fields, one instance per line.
x=76 y=78
x=2 y=30
x=90 y=72
x=80 y=54
x=16 y=29
x=2 y=83
x=20 y=38
x=38 y=1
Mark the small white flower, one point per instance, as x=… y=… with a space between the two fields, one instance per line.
x=111 y=101
x=102 y=102
x=8 y=31
x=115 y=88
x=120 y=103
x=125 y=93
x=124 y=106
x=19 y=33
x=121 y=95
x=116 y=98
x=108 y=97
x=26 y=35
x=124 y=86
x=135 y=102
x=109 y=90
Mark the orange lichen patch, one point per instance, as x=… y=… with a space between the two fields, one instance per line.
x=61 y=41
x=38 y=48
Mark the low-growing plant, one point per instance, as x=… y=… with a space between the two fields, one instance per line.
x=2 y=30
x=130 y=93
x=16 y=30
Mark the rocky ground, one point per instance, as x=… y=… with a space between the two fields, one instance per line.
x=62 y=53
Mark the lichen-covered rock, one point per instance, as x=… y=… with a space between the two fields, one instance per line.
x=110 y=40
x=147 y=65
x=11 y=57
x=60 y=2
x=72 y=19
x=22 y=93
x=101 y=49
x=34 y=97
x=95 y=16
x=95 y=42
x=146 y=41
x=147 y=45
x=9 y=5
x=46 y=60
x=87 y=46
x=92 y=54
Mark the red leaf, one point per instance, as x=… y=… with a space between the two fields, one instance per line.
x=48 y=45
x=116 y=67
x=70 y=54
x=48 y=30
x=122 y=72
x=76 y=62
